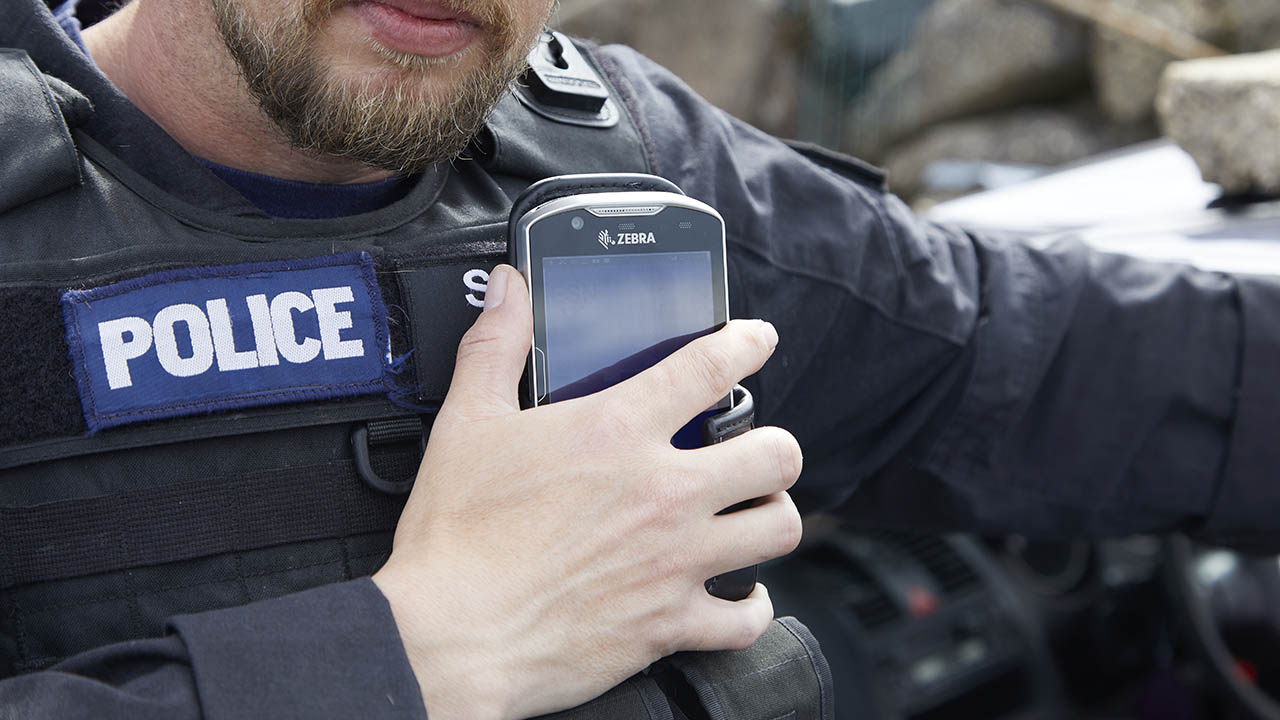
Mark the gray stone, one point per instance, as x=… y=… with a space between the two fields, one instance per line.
x=968 y=57
x=1126 y=73
x=1251 y=25
x=1225 y=112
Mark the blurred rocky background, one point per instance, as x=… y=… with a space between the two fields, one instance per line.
x=950 y=95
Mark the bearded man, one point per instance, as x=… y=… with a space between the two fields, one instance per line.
x=187 y=503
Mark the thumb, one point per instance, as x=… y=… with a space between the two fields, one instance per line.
x=492 y=355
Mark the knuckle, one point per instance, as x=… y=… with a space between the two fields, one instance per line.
x=712 y=366
x=791 y=528
x=475 y=342
x=758 y=340
x=745 y=634
x=670 y=494
x=788 y=460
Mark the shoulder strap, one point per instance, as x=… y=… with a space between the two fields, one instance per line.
x=37 y=155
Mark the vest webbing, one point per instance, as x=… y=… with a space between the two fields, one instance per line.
x=194 y=519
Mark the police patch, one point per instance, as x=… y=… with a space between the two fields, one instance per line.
x=196 y=340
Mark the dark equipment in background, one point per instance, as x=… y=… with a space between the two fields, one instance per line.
x=847 y=42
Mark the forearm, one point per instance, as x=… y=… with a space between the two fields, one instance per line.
x=1101 y=400
x=333 y=652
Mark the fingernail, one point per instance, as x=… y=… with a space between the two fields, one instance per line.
x=771 y=333
x=497 y=288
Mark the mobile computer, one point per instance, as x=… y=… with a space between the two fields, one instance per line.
x=623 y=270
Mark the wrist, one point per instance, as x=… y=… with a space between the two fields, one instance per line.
x=456 y=677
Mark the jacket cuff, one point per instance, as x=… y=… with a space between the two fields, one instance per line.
x=1245 y=511
x=331 y=652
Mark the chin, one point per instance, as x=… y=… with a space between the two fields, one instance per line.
x=362 y=61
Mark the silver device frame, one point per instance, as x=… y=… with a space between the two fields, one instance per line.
x=607 y=205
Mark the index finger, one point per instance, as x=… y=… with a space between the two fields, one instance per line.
x=697 y=375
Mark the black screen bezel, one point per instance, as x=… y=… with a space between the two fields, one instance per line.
x=554 y=236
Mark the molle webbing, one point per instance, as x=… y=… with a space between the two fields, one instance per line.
x=189 y=520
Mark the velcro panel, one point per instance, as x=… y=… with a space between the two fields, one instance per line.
x=37 y=391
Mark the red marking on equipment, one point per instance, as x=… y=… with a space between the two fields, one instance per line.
x=1247 y=670
x=921 y=602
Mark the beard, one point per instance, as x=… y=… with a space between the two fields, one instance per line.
x=390 y=119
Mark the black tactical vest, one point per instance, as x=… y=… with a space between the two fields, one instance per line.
x=108 y=529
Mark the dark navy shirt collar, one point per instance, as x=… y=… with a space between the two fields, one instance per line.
x=300 y=200
x=65 y=14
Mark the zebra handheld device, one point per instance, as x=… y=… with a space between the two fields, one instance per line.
x=623 y=270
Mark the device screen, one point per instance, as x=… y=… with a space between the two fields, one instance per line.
x=608 y=318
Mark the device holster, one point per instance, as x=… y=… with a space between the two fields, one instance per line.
x=783 y=675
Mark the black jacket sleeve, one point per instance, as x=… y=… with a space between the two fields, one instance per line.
x=333 y=652
x=940 y=379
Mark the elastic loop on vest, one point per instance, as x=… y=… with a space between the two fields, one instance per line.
x=385 y=432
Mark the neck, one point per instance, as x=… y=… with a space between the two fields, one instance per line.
x=169 y=60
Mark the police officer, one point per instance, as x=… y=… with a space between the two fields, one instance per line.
x=951 y=380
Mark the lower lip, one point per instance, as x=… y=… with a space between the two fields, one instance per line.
x=402 y=32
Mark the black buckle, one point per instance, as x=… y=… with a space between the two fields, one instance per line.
x=385 y=432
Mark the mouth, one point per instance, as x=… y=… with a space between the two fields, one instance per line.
x=419 y=27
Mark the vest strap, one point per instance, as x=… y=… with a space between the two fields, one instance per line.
x=37 y=155
x=188 y=520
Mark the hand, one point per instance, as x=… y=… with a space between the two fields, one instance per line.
x=545 y=556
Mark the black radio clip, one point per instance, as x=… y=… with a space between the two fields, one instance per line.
x=562 y=85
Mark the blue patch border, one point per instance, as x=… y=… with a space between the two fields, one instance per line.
x=96 y=421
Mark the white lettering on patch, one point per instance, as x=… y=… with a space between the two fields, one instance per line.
x=166 y=337
x=212 y=335
x=117 y=352
x=224 y=341
x=333 y=322
x=282 y=307
x=264 y=335
x=477 y=281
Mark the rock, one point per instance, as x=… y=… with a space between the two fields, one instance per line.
x=1252 y=25
x=738 y=54
x=1045 y=136
x=1225 y=112
x=1126 y=72
x=968 y=57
